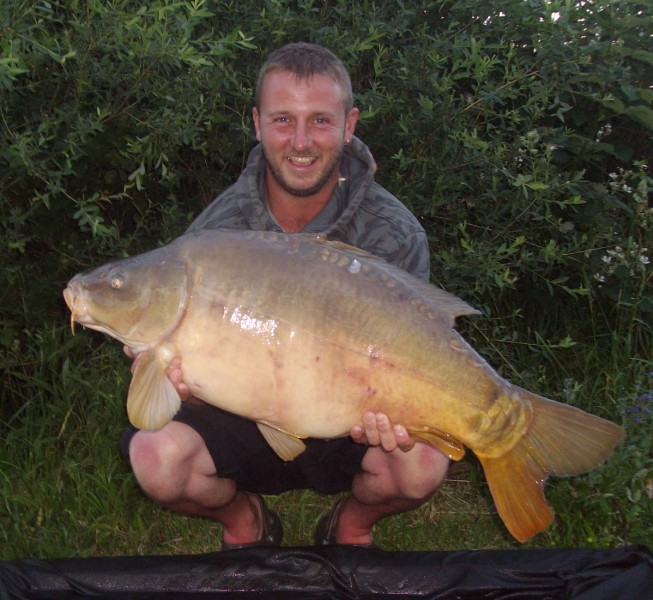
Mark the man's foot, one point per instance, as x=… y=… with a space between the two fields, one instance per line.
x=327 y=527
x=271 y=529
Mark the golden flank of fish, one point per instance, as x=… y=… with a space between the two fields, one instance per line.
x=303 y=335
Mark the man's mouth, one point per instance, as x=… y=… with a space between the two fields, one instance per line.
x=301 y=161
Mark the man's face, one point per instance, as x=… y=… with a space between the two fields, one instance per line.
x=302 y=126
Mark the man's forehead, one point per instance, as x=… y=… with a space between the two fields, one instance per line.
x=279 y=82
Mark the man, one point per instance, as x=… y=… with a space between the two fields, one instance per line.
x=308 y=174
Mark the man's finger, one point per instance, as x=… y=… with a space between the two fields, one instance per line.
x=386 y=432
x=371 y=429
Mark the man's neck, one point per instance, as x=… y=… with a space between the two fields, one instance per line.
x=293 y=213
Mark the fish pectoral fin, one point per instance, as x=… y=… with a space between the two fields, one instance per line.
x=152 y=400
x=441 y=440
x=286 y=445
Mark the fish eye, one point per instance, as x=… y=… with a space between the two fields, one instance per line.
x=117 y=281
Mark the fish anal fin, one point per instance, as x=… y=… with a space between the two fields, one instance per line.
x=441 y=440
x=560 y=440
x=286 y=446
x=152 y=400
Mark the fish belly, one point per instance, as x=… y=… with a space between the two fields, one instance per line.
x=301 y=385
x=273 y=372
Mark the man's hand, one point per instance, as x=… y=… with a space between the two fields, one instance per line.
x=176 y=377
x=377 y=430
x=173 y=373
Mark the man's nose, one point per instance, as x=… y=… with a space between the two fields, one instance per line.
x=300 y=138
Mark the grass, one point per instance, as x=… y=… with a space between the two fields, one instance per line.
x=68 y=492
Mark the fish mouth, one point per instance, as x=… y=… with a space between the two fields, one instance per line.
x=77 y=308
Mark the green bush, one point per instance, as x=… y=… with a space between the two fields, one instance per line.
x=519 y=132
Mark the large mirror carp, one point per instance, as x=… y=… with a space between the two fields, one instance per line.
x=303 y=335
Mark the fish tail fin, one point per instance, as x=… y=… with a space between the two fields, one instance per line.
x=561 y=440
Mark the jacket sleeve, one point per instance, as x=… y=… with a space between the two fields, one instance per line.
x=414 y=255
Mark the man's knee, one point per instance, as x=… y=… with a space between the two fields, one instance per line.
x=161 y=460
x=148 y=450
x=425 y=474
x=437 y=465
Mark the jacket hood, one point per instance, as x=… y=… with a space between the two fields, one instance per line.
x=357 y=173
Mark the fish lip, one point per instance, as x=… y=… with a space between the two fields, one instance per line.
x=69 y=297
x=72 y=301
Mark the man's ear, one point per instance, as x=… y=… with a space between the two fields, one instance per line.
x=257 y=124
x=350 y=125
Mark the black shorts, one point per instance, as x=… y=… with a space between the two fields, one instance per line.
x=240 y=453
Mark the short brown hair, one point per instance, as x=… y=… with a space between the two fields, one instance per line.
x=305 y=60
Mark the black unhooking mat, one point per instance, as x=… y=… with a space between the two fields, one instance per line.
x=340 y=572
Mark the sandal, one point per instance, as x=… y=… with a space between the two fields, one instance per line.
x=325 y=530
x=272 y=529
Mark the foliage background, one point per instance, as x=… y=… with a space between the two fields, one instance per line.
x=518 y=131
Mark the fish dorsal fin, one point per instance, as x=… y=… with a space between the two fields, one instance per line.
x=437 y=302
x=432 y=300
x=347 y=248
x=152 y=400
x=286 y=445
x=444 y=442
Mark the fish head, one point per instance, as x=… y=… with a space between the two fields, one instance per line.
x=138 y=300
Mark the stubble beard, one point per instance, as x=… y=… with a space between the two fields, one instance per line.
x=306 y=191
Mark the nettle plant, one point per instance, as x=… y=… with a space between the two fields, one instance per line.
x=623 y=264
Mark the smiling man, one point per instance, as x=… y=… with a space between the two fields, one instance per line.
x=302 y=125
x=309 y=174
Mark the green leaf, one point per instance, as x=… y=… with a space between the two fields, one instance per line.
x=537 y=185
x=613 y=104
x=642 y=114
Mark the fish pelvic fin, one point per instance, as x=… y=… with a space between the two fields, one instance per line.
x=561 y=440
x=441 y=440
x=152 y=400
x=286 y=445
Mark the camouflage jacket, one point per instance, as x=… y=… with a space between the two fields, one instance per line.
x=360 y=212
